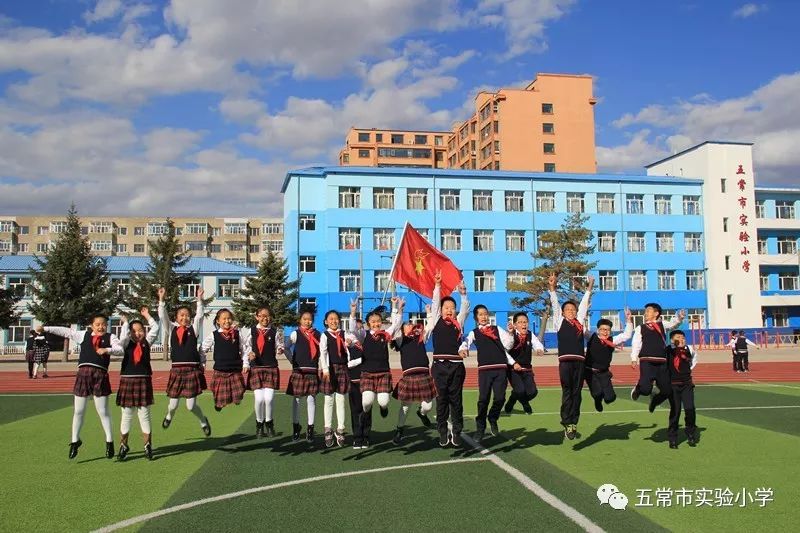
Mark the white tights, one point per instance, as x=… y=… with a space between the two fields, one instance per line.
x=101 y=406
x=424 y=407
x=368 y=398
x=127 y=418
x=191 y=405
x=339 y=400
x=311 y=408
x=263 y=404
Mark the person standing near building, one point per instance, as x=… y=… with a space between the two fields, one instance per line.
x=740 y=344
x=37 y=352
x=681 y=360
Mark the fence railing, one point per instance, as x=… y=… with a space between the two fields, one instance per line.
x=718 y=340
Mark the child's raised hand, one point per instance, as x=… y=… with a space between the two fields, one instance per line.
x=427 y=309
x=145 y=312
x=551 y=281
x=161 y=292
x=353 y=305
x=200 y=293
x=462 y=289
x=437 y=277
x=589 y=282
x=628 y=314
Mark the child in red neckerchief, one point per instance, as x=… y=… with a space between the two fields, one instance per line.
x=599 y=352
x=304 y=380
x=227 y=383
x=681 y=359
x=523 y=385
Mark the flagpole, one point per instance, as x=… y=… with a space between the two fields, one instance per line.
x=394 y=261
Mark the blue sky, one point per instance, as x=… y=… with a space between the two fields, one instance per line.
x=161 y=108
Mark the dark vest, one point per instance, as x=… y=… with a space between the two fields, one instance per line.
x=376 y=354
x=598 y=355
x=413 y=353
x=334 y=356
x=522 y=354
x=490 y=351
x=654 y=342
x=129 y=368
x=680 y=362
x=186 y=353
x=446 y=339
x=302 y=352
x=267 y=357
x=227 y=354
x=571 y=345
x=89 y=357
x=355 y=353
x=741 y=345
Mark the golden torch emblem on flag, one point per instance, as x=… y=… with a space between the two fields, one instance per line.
x=419 y=255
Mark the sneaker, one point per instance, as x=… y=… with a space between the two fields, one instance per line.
x=259 y=429
x=635 y=393
x=166 y=422
x=73 y=448
x=424 y=418
x=206 y=427
x=328 y=438
x=340 y=440
x=217 y=409
x=109 y=450
x=123 y=452
x=526 y=406
x=398 y=436
x=652 y=406
x=310 y=433
x=296 y=432
x=673 y=445
x=570 y=431
x=691 y=440
x=598 y=404
x=455 y=438
x=269 y=428
x=444 y=438
x=356 y=444
x=148 y=451
x=493 y=429
x=365 y=443
x=509 y=406
x=384 y=412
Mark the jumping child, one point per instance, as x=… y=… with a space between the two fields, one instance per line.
x=681 y=359
x=335 y=383
x=263 y=344
x=523 y=383
x=304 y=380
x=227 y=383
x=599 y=353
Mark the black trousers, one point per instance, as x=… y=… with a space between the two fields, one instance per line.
x=523 y=386
x=658 y=372
x=494 y=383
x=682 y=396
x=30 y=369
x=449 y=379
x=600 y=385
x=744 y=362
x=738 y=364
x=356 y=408
x=571 y=375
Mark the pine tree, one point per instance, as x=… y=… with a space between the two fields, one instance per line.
x=8 y=312
x=271 y=287
x=70 y=284
x=561 y=251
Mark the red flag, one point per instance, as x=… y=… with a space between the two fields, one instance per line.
x=417 y=262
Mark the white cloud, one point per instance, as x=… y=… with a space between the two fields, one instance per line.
x=169 y=145
x=748 y=10
x=242 y=110
x=103 y=10
x=523 y=21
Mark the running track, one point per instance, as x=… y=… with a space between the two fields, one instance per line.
x=18 y=382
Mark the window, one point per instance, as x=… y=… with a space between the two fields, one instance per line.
x=636 y=241
x=548 y=128
x=157 y=228
x=547 y=109
x=19 y=286
x=362 y=153
x=215 y=248
x=516 y=276
x=787 y=245
x=485 y=112
x=42 y=230
x=383 y=238
x=216 y=232
x=349 y=281
x=784 y=209
x=59 y=226
x=451 y=240
x=350 y=197
x=608 y=280
x=549 y=148
x=272 y=246
x=228 y=288
x=549 y=167
x=663 y=204
x=383 y=198
x=236 y=261
x=308 y=222
x=692 y=242
x=634 y=204
x=417 y=198
x=575 y=202
x=101 y=227
x=196 y=228
x=545 y=202
x=6 y=226
x=483 y=240
x=666 y=280
x=695 y=280
x=235 y=228
x=189 y=290
x=22 y=247
x=515 y=240
x=613 y=316
x=24 y=230
x=397 y=138
x=606 y=241
x=6 y=246
x=18 y=331
x=42 y=247
x=120 y=248
x=122 y=286
x=764 y=282
x=363 y=137
x=543 y=238
x=665 y=242
x=345 y=158
x=308 y=263
x=138 y=248
x=787 y=281
x=481 y=200
x=484 y=281
x=138 y=231
x=760 y=209
x=410 y=153
x=762 y=245
x=725 y=224
x=438 y=140
x=349 y=238
x=382 y=280
x=691 y=205
x=514 y=200
x=308 y=303
x=379 y=137
x=420 y=139
x=697 y=316
x=101 y=246
x=122 y=231
x=722 y=186
x=235 y=246
x=605 y=203
x=273 y=228
x=449 y=200
x=780 y=317
x=637 y=280
x=84 y=230
x=254 y=248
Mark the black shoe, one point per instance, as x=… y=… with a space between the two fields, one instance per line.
x=259 y=429
x=296 y=432
x=444 y=438
x=329 y=438
x=652 y=406
x=478 y=437
x=635 y=393
x=365 y=443
x=310 y=433
x=509 y=406
x=73 y=448
x=692 y=440
x=424 y=418
x=166 y=422
x=356 y=444
x=455 y=438
x=269 y=428
x=598 y=404
x=109 y=450
x=206 y=427
x=526 y=406
x=398 y=436
x=493 y=429
x=673 y=445
x=148 y=451
x=123 y=452
x=570 y=432
x=384 y=412
x=217 y=409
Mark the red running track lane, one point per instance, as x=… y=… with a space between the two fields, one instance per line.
x=18 y=382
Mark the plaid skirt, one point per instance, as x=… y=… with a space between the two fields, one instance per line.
x=41 y=354
x=376 y=382
x=417 y=387
x=264 y=378
x=91 y=381
x=338 y=380
x=227 y=388
x=186 y=382
x=135 y=391
x=303 y=384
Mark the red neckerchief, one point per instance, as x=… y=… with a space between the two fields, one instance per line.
x=680 y=355
x=575 y=324
x=313 y=343
x=261 y=340
x=96 y=339
x=655 y=326
x=522 y=340
x=607 y=342
x=137 y=353
x=381 y=335
x=181 y=334
x=339 y=341
x=454 y=323
x=489 y=332
x=229 y=335
x=418 y=332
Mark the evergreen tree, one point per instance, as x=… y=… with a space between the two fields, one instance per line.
x=271 y=287
x=562 y=252
x=8 y=312
x=70 y=284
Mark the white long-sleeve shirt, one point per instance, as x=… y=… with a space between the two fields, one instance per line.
x=246 y=338
x=125 y=333
x=506 y=339
x=197 y=325
x=558 y=317
x=395 y=323
x=693 y=354
x=208 y=347
x=436 y=311
x=636 y=345
x=732 y=344
x=619 y=338
x=324 y=356
x=78 y=337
